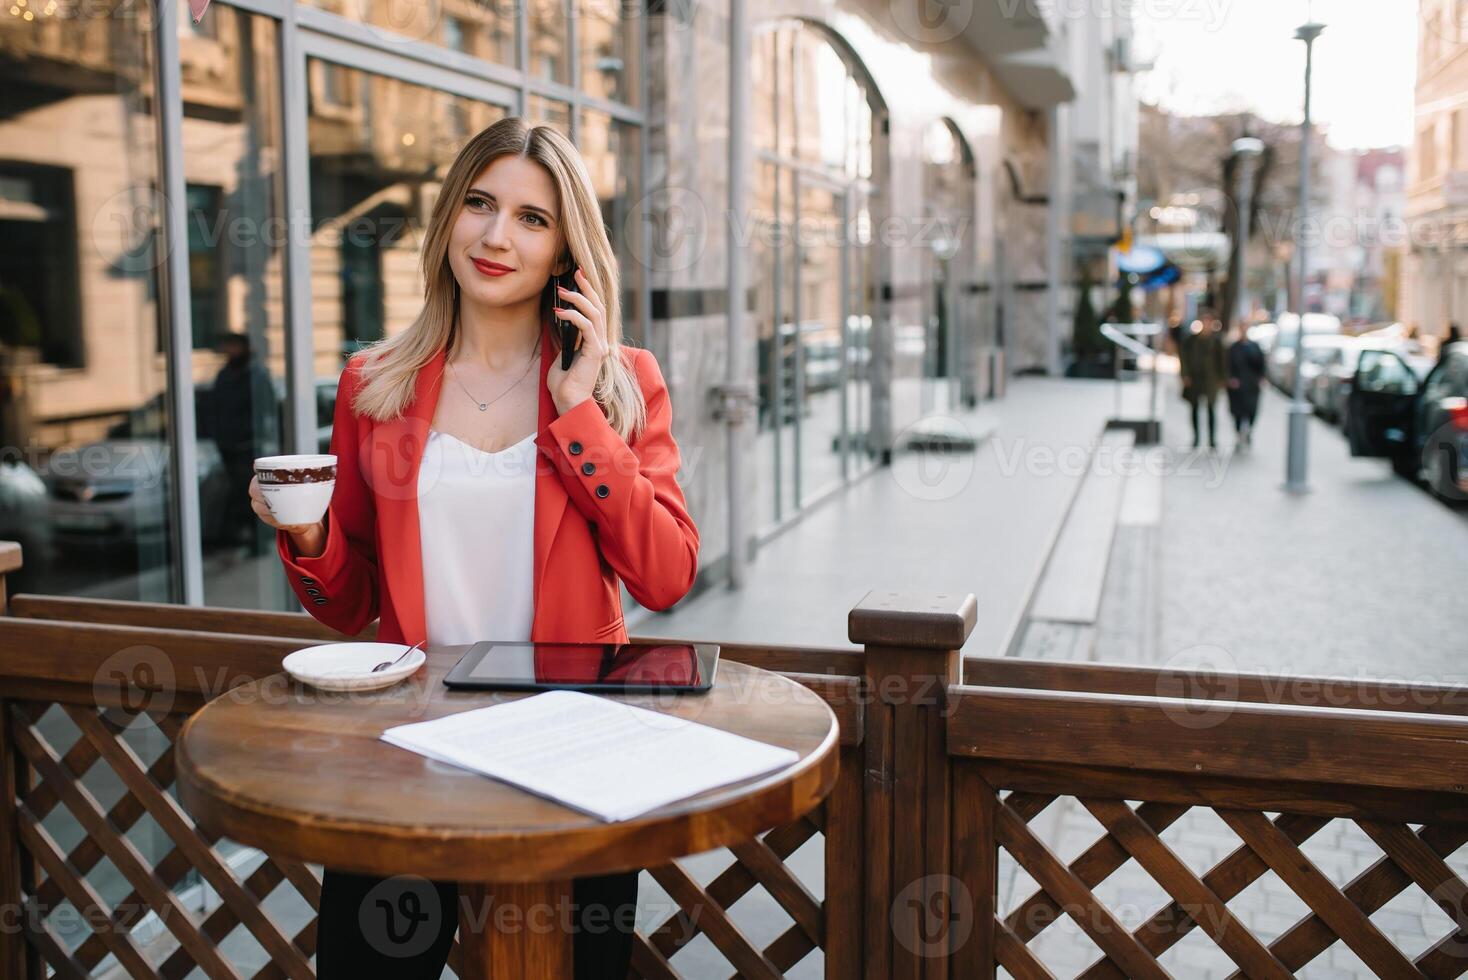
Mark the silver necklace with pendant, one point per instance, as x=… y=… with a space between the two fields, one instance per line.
x=484 y=406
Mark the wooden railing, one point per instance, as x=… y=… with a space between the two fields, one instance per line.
x=941 y=854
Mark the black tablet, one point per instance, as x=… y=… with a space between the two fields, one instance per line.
x=586 y=666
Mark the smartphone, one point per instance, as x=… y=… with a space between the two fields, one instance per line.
x=570 y=333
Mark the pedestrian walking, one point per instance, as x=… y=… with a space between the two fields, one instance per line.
x=1204 y=365
x=1245 y=374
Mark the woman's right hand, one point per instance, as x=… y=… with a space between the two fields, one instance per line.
x=309 y=539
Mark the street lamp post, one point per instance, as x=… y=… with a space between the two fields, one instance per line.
x=1248 y=150
x=1299 y=411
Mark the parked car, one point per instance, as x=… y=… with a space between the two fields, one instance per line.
x=23 y=519
x=1330 y=387
x=114 y=493
x=1273 y=336
x=1420 y=424
x=1318 y=350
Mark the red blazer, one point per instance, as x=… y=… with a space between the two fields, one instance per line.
x=627 y=518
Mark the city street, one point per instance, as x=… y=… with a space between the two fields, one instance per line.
x=922 y=299
x=1235 y=575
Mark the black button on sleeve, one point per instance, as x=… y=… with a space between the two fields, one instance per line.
x=313 y=591
x=320 y=600
x=575 y=448
x=307 y=581
x=602 y=490
x=588 y=468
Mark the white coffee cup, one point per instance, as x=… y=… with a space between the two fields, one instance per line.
x=297 y=488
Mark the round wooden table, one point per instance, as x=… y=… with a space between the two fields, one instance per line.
x=302 y=774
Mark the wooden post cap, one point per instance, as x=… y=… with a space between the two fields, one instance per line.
x=940 y=620
x=9 y=556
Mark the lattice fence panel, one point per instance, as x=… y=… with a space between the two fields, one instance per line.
x=1107 y=889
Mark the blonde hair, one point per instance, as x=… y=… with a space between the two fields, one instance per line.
x=390 y=367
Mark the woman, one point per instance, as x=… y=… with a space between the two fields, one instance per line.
x=470 y=504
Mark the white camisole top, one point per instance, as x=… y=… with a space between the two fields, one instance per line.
x=476 y=521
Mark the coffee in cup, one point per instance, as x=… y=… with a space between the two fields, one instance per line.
x=297 y=488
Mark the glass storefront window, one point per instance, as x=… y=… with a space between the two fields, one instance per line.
x=84 y=418
x=763 y=76
x=375 y=166
x=482 y=28
x=611 y=153
x=548 y=111
x=85 y=411
x=813 y=229
x=607 y=34
x=948 y=182
x=549 y=53
x=236 y=240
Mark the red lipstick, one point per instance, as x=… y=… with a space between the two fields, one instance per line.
x=491 y=268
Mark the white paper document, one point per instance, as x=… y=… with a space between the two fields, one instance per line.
x=603 y=757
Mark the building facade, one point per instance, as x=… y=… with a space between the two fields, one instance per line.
x=1434 y=274
x=203 y=221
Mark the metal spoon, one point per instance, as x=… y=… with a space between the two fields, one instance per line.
x=389 y=663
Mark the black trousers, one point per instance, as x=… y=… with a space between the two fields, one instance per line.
x=1198 y=403
x=402 y=927
x=1245 y=408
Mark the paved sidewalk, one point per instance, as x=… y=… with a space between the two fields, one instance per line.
x=980 y=522
x=1361 y=577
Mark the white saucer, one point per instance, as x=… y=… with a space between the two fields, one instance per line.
x=348 y=666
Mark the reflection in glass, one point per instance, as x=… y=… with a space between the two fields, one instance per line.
x=786 y=404
x=611 y=153
x=948 y=188
x=376 y=160
x=482 y=28
x=862 y=272
x=764 y=87
x=607 y=37
x=548 y=53
x=762 y=259
x=236 y=243
x=84 y=473
x=820 y=252
x=543 y=111
x=811 y=115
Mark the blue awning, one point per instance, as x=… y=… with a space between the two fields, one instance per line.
x=1142 y=260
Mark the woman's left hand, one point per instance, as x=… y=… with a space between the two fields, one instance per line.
x=571 y=386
